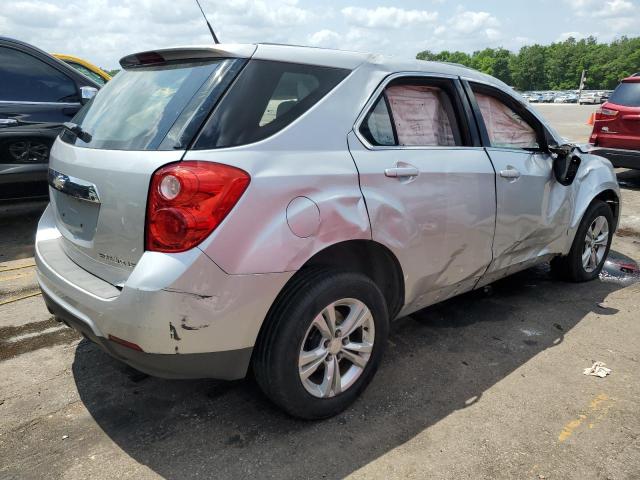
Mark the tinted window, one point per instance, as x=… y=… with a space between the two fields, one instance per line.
x=88 y=73
x=505 y=127
x=266 y=97
x=146 y=108
x=25 y=78
x=377 y=127
x=626 y=94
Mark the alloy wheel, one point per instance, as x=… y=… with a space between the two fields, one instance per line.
x=336 y=348
x=595 y=243
x=29 y=152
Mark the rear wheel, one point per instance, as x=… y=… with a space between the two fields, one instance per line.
x=590 y=246
x=322 y=343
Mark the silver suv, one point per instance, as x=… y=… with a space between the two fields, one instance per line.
x=220 y=207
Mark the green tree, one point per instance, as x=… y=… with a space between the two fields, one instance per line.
x=555 y=66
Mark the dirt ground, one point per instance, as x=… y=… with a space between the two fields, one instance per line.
x=487 y=385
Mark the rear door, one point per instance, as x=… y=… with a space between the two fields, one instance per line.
x=35 y=99
x=141 y=120
x=533 y=209
x=428 y=185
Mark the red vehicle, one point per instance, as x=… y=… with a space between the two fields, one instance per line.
x=616 y=130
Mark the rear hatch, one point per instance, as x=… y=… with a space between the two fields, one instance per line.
x=618 y=121
x=99 y=171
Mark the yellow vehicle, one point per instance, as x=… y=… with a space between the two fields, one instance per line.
x=85 y=68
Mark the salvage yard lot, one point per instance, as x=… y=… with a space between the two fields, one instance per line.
x=486 y=385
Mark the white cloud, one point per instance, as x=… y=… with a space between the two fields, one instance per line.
x=102 y=31
x=601 y=9
x=566 y=35
x=467 y=28
x=325 y=38
x=387 y=17
x=616 y=8
x=468 y=22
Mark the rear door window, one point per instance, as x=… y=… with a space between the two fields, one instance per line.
x=153 y=107
x=266 y=97
x=626 y=94
x=24 y=78
x=414 y=112
x=423 y=116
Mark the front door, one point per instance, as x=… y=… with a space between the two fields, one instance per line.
x=428 y=185
x=533 y=209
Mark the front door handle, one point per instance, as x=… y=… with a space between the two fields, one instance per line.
x=399 y=172
x=510 y=173
x=8 y=122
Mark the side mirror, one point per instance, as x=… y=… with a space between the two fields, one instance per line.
x=565 y=163
x=87 y=93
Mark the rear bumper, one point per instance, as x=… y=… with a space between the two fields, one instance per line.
x=191 y=319
x=618 y=157
x=226 y=365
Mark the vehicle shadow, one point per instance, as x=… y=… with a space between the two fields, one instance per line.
x=439 y=360
x=18 y=223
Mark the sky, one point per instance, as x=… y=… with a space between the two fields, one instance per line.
x=103 y=31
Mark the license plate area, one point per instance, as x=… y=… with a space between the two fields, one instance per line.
x=77 y=219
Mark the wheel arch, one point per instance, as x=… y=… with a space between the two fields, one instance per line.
x=373 y=260
x=612 y=199
x=364 y=256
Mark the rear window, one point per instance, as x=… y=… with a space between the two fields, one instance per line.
x=149 y=108
x=626 y=94
x=266 y=97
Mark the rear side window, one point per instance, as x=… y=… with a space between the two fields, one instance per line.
x=626 y=94
x=377 y=127
x=88 y=73
x=413 y=113
x=154 y=107
x=505 y=127
x=266 y=97
x=24 y=78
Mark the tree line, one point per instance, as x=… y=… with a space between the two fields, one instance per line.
x=553 y=67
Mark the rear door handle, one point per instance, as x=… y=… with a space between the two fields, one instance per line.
x=398 y=172
x=8 y=122
x=510 y=173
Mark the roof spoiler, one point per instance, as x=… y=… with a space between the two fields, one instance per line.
x=182 y=54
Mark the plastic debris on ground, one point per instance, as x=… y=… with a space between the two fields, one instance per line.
x=598 y=369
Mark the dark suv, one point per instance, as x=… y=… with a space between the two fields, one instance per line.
x=38 y=93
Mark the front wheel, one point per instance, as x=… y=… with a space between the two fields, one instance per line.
x=322 y=343
x=590 y=246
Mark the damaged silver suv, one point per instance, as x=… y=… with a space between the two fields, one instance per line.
x=220 y=207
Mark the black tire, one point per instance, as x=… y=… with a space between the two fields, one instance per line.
x=570 y=267
x=275 y=359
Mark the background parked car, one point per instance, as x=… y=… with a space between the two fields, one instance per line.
x=616 y=129
x=85 y=67
x=591 y=98
x=38 y=93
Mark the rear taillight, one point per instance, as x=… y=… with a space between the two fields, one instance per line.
x=605 y=114
x=188 y=200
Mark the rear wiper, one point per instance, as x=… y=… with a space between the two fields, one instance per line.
x=77 y=131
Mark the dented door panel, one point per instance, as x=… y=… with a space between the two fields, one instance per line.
x=533 y=210
x=439 y=225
